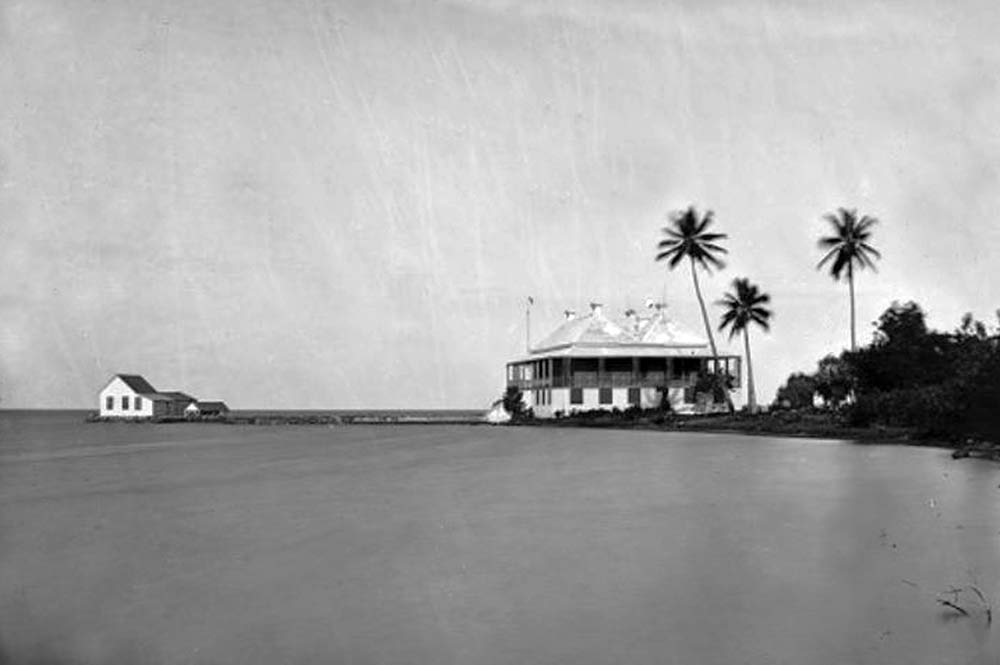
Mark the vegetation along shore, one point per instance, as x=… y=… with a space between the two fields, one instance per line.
x=909 y=384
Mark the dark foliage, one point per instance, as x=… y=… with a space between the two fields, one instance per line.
x=716 y=385
x=513 y=403
x=940 y=384
x=834 y=380
x=797 y=393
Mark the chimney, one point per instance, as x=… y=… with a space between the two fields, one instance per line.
x=596 y=309
x=632 y=319
x=569 y=314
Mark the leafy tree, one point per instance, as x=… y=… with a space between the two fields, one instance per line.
x=904 y=325
x=687 y=237
x=745 y=305
x=848 y=248
x=798 y=391
x=834 y=380
x=903 y=353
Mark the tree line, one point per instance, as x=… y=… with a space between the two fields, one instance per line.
x=941 y=384
x=687 y=236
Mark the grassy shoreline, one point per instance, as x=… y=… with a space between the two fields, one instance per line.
x=808 y=425
x=793 y=424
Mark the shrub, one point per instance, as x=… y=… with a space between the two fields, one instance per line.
x=513 y=402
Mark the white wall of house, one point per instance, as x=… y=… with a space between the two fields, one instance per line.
x=117 y=400
x=559 y=400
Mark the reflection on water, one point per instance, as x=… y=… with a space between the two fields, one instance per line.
x=480 y=545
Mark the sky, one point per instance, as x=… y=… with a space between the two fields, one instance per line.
x=345 y=204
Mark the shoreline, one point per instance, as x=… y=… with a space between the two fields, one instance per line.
x=818 y=426
x=783 y=424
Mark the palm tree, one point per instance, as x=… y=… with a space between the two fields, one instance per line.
x=688 y=237
x=744 y=306
x=848 y=247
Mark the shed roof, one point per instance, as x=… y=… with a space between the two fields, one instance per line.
x=212 y=406
x=178 y=396
x=158 y=397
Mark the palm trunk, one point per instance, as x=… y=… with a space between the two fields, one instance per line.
x=708 y=330
x=850 y=283
x=751 y=392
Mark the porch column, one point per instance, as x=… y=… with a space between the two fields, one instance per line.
x=600 y=372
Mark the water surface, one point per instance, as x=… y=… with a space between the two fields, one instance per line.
x=205 y=543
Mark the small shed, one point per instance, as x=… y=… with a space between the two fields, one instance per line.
x=195 y=409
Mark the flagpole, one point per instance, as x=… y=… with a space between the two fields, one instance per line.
x=527 y=321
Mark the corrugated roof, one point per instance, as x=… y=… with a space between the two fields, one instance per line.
x=658 y=329
x=593 y=329
x=137 y=383
x=596 y=335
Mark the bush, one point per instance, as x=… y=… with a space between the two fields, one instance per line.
x=797 y=393
x=513 y=402
x=716 y=385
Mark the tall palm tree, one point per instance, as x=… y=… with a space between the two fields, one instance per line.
x=848 y=248
x=745 y=305
x=688 y=237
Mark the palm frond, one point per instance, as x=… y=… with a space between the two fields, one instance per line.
x=848 y=246
x=843 y=258
x=742 y=306
x=686 y=237
x=871 y=250
x=712 y=247
x=829 y=255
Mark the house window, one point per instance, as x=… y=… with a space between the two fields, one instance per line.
x=124 y=402
x=109 y=403
x=633 y=396
x=138 y=403
x=604 y=395
x=576 y=395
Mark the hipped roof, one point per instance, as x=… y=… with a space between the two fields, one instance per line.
x=595 y=335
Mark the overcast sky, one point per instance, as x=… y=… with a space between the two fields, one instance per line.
x=345 y=204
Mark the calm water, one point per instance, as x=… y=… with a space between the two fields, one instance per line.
x=207 y=544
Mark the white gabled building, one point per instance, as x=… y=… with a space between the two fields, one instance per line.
x=132 y=396
x=592 y=362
